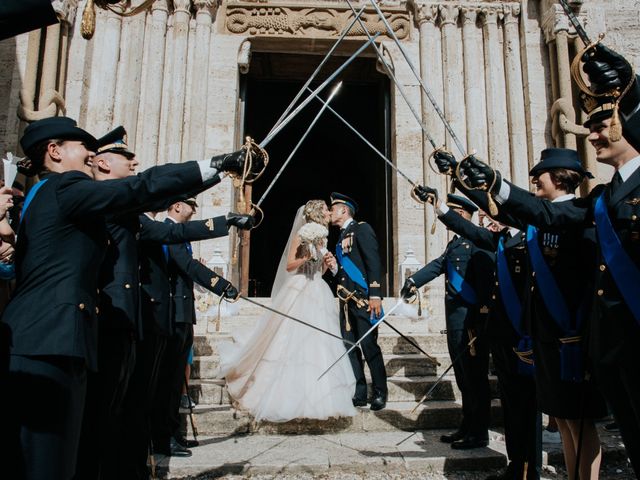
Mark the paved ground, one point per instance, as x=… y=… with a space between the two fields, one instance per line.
x=356 y=456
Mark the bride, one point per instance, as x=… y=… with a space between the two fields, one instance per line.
x=272 y=372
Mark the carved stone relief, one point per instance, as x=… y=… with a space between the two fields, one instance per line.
x=296 y=21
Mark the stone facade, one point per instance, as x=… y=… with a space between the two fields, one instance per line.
x=497 y=69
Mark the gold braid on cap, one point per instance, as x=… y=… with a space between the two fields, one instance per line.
x=615 y=127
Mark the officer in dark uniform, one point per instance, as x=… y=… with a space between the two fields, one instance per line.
x=155 y=302
x=510 y=341
x=20 y=16
x=359 y=273
x=52 y=318
x=121 y=337
x=469 y=275
x=184 y=271
x=614 y=208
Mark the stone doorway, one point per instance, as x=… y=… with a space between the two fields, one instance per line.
x=332 y=158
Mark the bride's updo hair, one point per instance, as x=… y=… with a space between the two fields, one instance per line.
x=313 y=211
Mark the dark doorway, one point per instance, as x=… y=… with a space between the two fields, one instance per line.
x=332 y=158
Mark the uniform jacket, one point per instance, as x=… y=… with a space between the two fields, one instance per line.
x=361 y=246
x=19 y=16
x=614 y=334
x=499 y=325
x=184 y=270
x=61 y=242
x=476 y=266
x=154 y=275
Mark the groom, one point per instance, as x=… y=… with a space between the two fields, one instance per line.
x=358 y=271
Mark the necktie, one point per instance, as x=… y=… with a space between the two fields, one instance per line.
x=616 y=181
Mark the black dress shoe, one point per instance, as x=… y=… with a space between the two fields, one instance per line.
x=469 y=442
x=187 y=443
x=452 y=437
x=359 y=402
x=177 y=450
x=379 y=402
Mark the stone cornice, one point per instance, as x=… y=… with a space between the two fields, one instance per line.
x=465 y=11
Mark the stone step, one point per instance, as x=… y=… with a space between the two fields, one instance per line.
x=380 y=455
x=401 y=389
x=222 y=419
x=407 y=365
x=390 y=344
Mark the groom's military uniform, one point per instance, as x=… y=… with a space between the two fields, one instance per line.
x=358 y=279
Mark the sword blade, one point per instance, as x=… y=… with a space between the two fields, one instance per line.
x=423 y=86
x=362 y=137
x=396 y=82
x=433 y=387
x=295 y=149
x=412 y=343
x=575 y=22
x=317 y=70
x=306 y=101
x=286 y=315
x=353 y=347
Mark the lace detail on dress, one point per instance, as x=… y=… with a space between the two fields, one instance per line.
x=314 y=237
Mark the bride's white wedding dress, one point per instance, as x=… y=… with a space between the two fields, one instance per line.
x=273 y=371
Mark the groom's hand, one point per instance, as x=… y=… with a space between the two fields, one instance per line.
x=330 y=262
x=375 y=307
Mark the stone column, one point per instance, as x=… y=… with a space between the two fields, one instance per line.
x=176 y=95
x=474 y=87
x=199 y=86
x=515 y=96
x=102 y=87
x=430 y=51
x=128 y=82
x=148 y=130
x=497 y=133
x=453 y=73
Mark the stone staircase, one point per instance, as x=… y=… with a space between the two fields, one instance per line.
x=378 y=445
x=410 y=376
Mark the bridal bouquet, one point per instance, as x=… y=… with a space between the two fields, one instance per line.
x=313 y=234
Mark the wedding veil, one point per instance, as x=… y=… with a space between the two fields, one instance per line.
x=281 y=274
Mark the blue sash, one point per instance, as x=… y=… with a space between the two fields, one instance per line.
x=29 y=198
x=354 y=273
x=351 y=269
x=460 y=286
x=165 y=250
x=624 y=271
x=571 y=369
x=512 y=306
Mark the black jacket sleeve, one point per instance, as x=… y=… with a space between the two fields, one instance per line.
x=20 y=16
x=80 y=196
x=431 y=270
x=481 y=237
x=167 y=233
x=199 y=273
x=543 y=213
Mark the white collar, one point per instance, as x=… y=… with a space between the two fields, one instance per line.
x=563 y=198
x=629 y=168
x=347 y=223
x=172 y=219
x=513 y=231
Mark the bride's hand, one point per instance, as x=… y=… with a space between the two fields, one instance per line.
x=330 y=261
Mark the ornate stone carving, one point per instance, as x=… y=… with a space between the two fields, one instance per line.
x=469 y=15
x=511 y=12
x=296 y=21
x=491 y=14
x=449 y=14
x=244 y=57
x=425 y=12
x=181 y=6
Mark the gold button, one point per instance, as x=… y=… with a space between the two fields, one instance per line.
x=497 y=284
x=493 y=297
x=126 y=285
x=153 y=299
x=81 y=306
x=600 y=292
x=98 y=291
x=457 y=259
x=634 y=217
x=97 y=310
x=603 y=267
